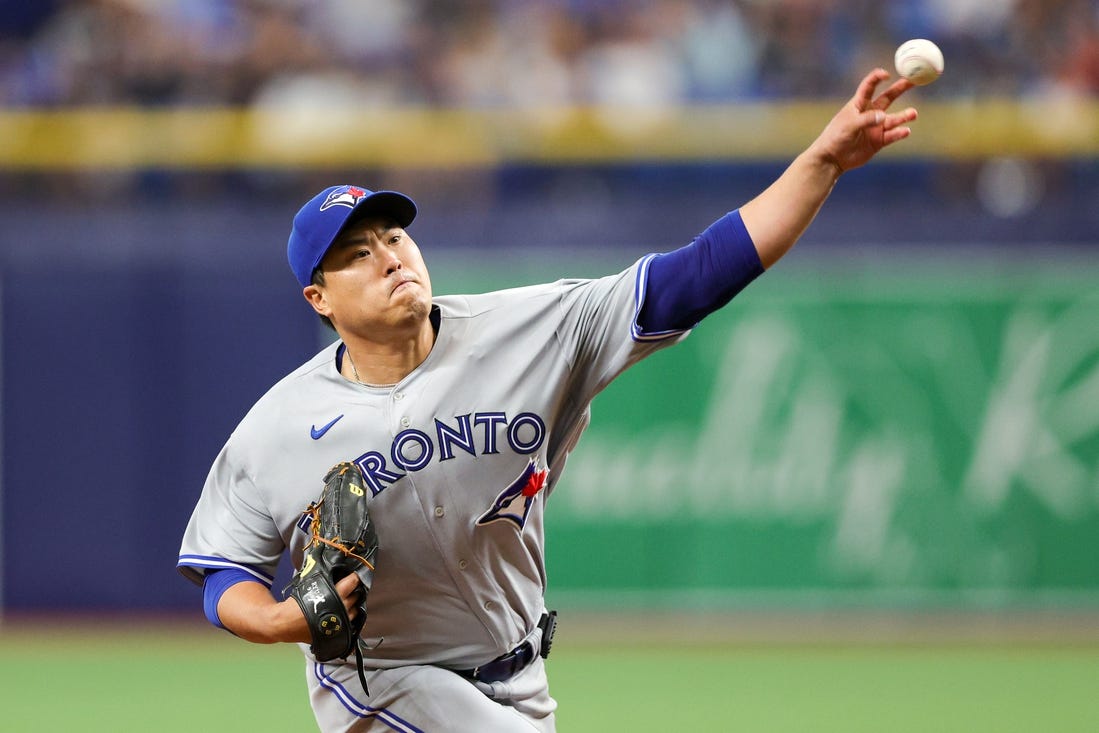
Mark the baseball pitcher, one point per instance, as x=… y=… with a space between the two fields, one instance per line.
x=407 y=467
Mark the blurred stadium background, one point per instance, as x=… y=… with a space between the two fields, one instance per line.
x=892 y=438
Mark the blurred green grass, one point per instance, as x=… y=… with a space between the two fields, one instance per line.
x=182 y=678
x=829 y=688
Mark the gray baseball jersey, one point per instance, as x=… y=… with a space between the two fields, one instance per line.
x=460 y=458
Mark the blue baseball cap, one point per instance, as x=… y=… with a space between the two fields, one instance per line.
x=319 y=222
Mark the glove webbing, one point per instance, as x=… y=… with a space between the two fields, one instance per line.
x=345 y=551
x=314 y=512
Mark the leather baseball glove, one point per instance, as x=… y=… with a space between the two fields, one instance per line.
x=344 y=542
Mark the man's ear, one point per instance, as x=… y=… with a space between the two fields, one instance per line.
x=316 y=298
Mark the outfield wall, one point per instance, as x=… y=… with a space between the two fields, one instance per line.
x=899 y=434
x=902 y=413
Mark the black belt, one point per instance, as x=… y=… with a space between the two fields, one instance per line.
x=508 y=665
x=502 y=668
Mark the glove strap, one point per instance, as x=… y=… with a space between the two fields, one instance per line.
x=359 y=668
x=332 y=631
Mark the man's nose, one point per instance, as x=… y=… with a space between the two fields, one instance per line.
x=392 y=262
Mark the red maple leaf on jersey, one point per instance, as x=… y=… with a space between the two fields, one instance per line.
x=535 y=483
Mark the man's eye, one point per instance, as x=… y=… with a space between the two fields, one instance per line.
x=359 y=254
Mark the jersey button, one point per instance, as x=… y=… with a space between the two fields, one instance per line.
x=398 y=396
x=490 y=606
x=405 y=422
x=439 y=511
x=462 y=564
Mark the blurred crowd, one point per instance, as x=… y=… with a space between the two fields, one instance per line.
x=525 y=52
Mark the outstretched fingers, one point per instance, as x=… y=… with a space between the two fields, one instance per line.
x=895 y=126
x=894 y=90
x=864 y=98
x=864 y=94
x=864 y=125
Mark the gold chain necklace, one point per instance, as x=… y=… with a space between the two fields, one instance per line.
x=347 y=352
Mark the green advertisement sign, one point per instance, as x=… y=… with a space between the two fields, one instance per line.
x=914 y=432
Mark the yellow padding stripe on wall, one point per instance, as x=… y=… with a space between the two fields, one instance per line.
x=189 y=138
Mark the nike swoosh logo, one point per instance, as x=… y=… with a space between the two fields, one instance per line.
x=317 y=433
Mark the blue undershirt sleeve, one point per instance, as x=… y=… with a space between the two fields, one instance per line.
x=686 y=285
x=214 y=585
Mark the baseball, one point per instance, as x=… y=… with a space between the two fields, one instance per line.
x=919 y=60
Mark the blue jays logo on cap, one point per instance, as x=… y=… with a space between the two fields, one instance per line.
x=347 y=196
x=320 y=221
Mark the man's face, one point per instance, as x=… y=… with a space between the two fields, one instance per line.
x=375 y=282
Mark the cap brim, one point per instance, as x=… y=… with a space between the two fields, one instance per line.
x=396 y=206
